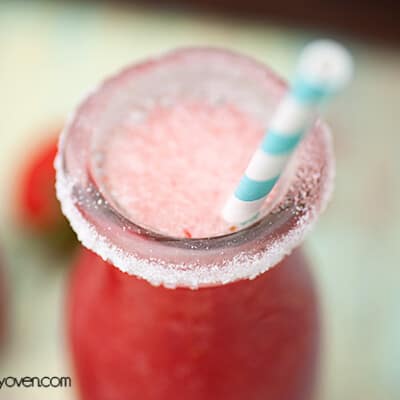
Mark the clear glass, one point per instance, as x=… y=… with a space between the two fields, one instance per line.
x=245 y=333
x=212 y=76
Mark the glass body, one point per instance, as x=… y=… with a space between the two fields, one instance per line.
x=250 y=340
x=245 y=332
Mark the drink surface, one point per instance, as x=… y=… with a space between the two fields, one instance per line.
x=173 y=171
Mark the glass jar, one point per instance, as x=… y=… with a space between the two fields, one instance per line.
x=248 y=331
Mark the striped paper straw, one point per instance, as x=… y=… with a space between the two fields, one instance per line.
x=324 y=68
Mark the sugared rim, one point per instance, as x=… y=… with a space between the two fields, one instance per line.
x=174 y=274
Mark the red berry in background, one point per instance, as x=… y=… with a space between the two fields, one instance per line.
x=37 y=206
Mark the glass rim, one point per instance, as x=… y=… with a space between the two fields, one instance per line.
x=265 y=226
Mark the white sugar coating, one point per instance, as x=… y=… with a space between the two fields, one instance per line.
x=306 y=190
x=173 y=172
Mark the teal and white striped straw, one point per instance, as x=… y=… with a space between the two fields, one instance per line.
x=324 y=68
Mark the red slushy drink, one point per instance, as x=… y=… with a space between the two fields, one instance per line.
x=192 y=307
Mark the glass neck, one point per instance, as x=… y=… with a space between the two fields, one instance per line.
x=304 y=190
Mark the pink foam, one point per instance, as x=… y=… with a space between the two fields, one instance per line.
x=173 y=171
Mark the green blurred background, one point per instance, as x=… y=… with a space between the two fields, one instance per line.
x=52 y=52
